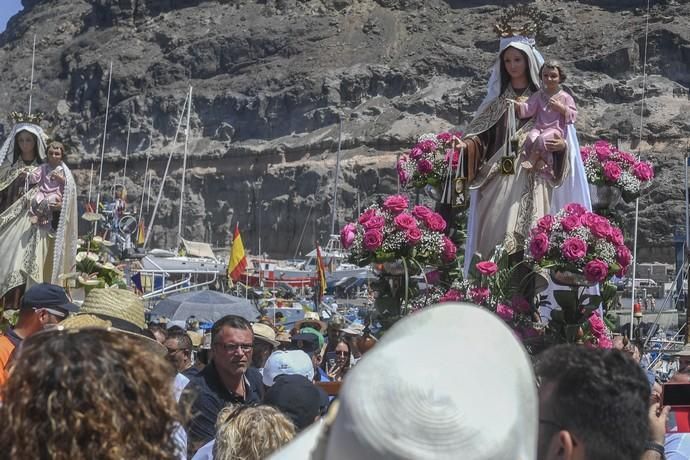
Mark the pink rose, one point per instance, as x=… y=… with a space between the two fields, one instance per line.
x=539 y=246
x=435 y=222
x=603 y=150
x=455 y=156
x=596 y=270
x=425 y=166
x=643 y=171
x=453 y=295
x=374 y=223
x=616 y=236
x=405 y=221
x=487 y=268
x=449 y=250
x=421 y=212
x=596 y=325
x=605 y=343
x=627 y=158
x=413 y=235
x=520 y=304
x=545 y=223
x=574 y=249
x=612 y=172
x=444 y=137
x=585 y=152
x=396 y=204
x=588 y=219
x=427 y=146
x=479 y=295
x=416 y=153
x=504 y=312
x=570 y=223
x=601 y=227
x=366 y=215
x=347 y=235
x=372 y=240
x=575 y=209
x=623 y=256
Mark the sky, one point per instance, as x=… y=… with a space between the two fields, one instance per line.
x=8 y=8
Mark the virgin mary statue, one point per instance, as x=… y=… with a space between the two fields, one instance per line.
x=504 y=207
x=32 y=253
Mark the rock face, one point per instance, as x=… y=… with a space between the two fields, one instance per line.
x=272 y=80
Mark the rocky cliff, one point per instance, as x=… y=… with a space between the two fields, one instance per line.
x=272 y=79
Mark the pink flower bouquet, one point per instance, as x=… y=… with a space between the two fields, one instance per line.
x=580 y=241
x=428 y=161
x=606 y=165
x=393 y=231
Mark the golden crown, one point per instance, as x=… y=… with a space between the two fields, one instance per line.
x=21 y=117
x=523 y=20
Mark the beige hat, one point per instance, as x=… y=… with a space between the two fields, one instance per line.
x=123 y=308
x=265 y=333
x=311 y=318
x=451 y=381
x=283 y=337
x=196 y=337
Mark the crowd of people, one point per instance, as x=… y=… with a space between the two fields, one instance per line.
x=451 y=381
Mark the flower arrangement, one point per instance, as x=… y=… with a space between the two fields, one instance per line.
x=92 y=269
x=606 y=165
x=391 y=232
x=597 y=333
x=427 y=162
x=576 y=240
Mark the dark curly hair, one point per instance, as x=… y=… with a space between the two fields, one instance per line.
x=601 y=396
x=88 y=393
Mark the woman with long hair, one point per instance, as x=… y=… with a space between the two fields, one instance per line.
x=89 y=394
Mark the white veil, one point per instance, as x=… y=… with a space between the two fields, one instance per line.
x=65 y=249
x=7 y=149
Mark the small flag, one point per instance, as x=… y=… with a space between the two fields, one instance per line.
x=238 y=260
x=141 y=234
x=320 y=277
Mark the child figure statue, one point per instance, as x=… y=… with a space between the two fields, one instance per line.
x=553 y=109
x=50 y=178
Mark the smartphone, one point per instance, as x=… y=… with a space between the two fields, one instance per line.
x=676 y=395
x=331 y=360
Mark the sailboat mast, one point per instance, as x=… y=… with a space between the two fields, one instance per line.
x=105 y=132
x=337 y=174
x=124 y=169
x=184 y=163
x=31 y=83
x=146 y=173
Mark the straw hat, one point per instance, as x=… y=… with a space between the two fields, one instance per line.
x=265 y=333
x=123 y=308
x=311 y=318
x=415 y=395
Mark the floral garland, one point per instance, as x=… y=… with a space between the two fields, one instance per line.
x=577 y=240
x=428 y=161
x=607 y=165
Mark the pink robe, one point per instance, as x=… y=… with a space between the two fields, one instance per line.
x=50 y=191
x=547 y=122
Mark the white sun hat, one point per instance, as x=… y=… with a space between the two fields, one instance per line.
x=449 y=382
x=287 y=362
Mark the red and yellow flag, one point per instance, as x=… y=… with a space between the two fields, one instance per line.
x=238 y=260
x=320 y=272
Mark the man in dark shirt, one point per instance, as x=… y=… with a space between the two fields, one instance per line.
x=227 y=379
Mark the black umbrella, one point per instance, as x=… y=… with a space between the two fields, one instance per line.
x=205 y=306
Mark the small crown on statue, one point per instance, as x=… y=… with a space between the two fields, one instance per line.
x=21 y=117
x=520 y=20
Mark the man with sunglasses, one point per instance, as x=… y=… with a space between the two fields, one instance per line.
x=227 y=379
x=43 y=305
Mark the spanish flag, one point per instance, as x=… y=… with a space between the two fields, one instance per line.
x=141 y=234
x=320 y=273
x=238 y=261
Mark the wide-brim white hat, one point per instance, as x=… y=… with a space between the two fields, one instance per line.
x=452 y=381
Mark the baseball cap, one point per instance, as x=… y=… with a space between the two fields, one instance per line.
x=311 y=330
x=297 y=397
x=50 y=297
x=308 y=343
x=290 y=362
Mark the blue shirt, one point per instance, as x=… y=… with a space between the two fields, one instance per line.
x=677 y=446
